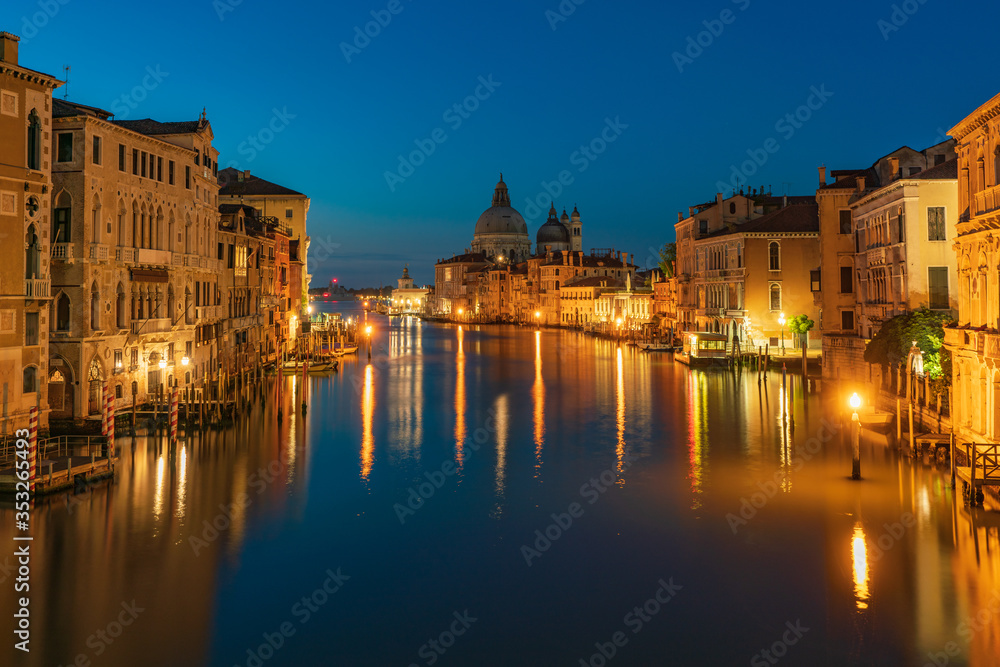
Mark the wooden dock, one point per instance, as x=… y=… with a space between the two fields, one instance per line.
x=62 y=461
x=983 y=469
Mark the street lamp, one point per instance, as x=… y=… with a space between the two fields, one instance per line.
x=368 y=332
x=309 y=309
x=781 y=321
x=185 y=360
x=618 y=323
x=856 y=437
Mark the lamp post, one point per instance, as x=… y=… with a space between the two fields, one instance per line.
x=538 y=318
x=368 y=332
x=618 y=323
x=781 y=322
x=856 y=437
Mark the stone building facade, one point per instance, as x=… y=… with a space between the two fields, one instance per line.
x=25 y=193
x=134 y=258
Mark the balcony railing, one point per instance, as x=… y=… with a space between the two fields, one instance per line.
x=153 y=256
x=126 y=255
x=178 y=259
x=99 y=252
x=158 y=325
x=37 y=288
x=987 y=200
x=63 y=251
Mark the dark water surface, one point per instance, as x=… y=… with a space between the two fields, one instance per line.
x=645 y=465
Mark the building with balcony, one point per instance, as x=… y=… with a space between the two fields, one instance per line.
x=289 y=207
x=26 y=142
x=135 y=256
x=974 y=341
x=745 y=261
x=885 y=242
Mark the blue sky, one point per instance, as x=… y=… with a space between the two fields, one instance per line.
x=890 y=74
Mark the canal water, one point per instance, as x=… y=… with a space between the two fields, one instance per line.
x=500 y=496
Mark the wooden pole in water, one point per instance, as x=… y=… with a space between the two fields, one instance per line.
x=899 y=421
x=912 y=450
x=951 y=457
x=856 y=446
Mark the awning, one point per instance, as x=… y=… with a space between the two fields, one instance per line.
x=150 y=275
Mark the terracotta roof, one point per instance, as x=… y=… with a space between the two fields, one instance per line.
x=944 y=171
x=151 y=127
x=794 y=218
x=232 y=186
x=468 y=258
x=67 y=109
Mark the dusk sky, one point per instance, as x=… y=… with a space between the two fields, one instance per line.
x=879 y=75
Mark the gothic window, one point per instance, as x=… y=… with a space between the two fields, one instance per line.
x=34 y=141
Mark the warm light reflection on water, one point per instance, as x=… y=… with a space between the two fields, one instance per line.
x=620 y=416
x=367 y=413
x=161 y=465
x=697 y=404
x=538 y=400
x=502 y=433
x=859 y=555
x=182 y=484
x=460 y=402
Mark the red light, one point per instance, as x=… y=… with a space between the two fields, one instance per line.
x=326 y=294
x=334 y=280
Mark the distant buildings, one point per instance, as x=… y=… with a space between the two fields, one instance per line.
x=407 y=298
x=500 y=280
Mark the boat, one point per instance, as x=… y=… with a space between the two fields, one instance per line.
x=315 y=367
x=703 y=349
x=656 y=347
x=341 y=351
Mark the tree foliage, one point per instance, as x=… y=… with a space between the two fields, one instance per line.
x=891 y=345
x=800 y=324
x=668 y=258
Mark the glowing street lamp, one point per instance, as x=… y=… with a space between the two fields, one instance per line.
x=162 y=364
x=368 y=332
x=309 y=309
x=781 y=321
x=856 y=436
x=185 y=360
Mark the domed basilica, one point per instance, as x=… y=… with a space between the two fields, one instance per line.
x=502 y=232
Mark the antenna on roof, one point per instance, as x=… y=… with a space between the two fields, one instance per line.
x=66 y=69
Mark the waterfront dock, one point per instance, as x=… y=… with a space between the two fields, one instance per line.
x=62 y=462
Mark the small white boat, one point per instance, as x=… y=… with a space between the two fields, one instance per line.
x=341 y=351
x=877 y=421
x=655 y=347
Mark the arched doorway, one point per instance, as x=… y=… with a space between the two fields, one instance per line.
x=95 y=380
x=61 y=392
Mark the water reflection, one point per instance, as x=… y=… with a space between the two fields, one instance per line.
x=859 y=555
x=502 y=429
x=182 y=484
x=620 y=417
x=538 y=399
x=367 y=412
x=161 y=465
x=697 y=410
x=460 y=431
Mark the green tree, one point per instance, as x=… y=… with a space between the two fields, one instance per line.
x=891 y=345
x=668 y=257
x=801 y=325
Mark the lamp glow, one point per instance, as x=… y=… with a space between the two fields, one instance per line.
x=368 y=330
x=163 y=363
x=185 y=361
x=537 y=314
x=855 y=401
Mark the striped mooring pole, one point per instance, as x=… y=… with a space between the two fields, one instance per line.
x=104 y=409
x=173 y=416
x=110 y=409
x=32 y=447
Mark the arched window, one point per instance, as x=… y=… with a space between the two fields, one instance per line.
x=136 y=225
x=34 y=141
x=121 y=224
x=95 y=307
x=62 y=313
x=32 y=254
x=120 y=307
x=30 y=380
x=62 y=216
x=774 y=256
x=775 y=292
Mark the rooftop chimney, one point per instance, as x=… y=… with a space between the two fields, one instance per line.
x=893 y=168
x=784 y=201
x=690 y=211
x=822 y=176
x=718 y=198
x=861 y=183
x=680 y=217
x=8 y=48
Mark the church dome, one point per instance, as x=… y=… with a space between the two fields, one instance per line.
x=553 y=233
x=501 y=218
